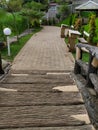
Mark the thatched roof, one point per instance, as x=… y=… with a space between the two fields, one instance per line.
x=89 y=6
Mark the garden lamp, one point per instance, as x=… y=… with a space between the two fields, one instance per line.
x=7 y=32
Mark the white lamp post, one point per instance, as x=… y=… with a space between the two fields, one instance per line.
x=7 y=32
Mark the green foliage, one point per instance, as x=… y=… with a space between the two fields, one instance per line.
x=86 y=14
x=50 y=21
x=62 y=11
x=15 y=47
x=14 y=5
x=86 y=28
x=34 y=6
x=35 y=23
x=74 y=18
x=58 y=16
x=85 y=56
x=44 y=22
x=78 y=24
x=70 y=20
x=92 y=29
x=32 y=12
x=8 y=21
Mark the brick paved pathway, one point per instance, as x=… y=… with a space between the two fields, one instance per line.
x=44 y=51
x=40 y=92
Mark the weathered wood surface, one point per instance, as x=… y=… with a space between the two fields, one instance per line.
x=39 y=79
x=93 y=50
x=34 y=87
x=43 y=116
x=82 y=40
x=90 y=98
x=41 y=98
x=84 y=127
x=37 y=105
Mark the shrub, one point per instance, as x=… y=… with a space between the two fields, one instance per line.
x=78 y=24
x=92 y=29
x=44 y=22
x=54 y=21
x=8 y=21
x=35 y=23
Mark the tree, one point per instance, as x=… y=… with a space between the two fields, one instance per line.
x=2 y=16
x=39 y=1
x=62 y=11
x=32 y=10
x=12 y=6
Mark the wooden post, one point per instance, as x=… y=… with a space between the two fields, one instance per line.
x=73 y=35
x=72 y=42
x=63 y=27
x=78 y=53
x=77 y=68
x=95 y=62
x=62 y=32
x=1 y=70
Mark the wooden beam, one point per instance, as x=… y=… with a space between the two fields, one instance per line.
x=95 y=62
x=78 y=53
x=84 y=49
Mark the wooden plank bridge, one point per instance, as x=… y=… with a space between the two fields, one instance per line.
x=42 y=102
x=39 y=93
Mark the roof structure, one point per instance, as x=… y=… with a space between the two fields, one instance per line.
x=89 y=6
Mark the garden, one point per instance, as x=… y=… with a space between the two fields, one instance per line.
x=19 y=16
x=84 y=22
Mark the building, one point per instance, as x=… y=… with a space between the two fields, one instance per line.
x=52 y=10
x=76 y=3
x=79 y=2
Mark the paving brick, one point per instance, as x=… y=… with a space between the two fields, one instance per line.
x=45 y=51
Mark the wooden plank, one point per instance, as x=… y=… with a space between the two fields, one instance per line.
x=84 y=49
x=39 y=98
x=39 y=79
x=33 y=87
x=34 y=116
x=84 y=127
x=82 y=40
x=86 y=33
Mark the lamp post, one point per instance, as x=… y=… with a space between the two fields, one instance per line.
x=7 y=32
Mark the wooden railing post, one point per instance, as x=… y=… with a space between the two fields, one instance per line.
x=83 y=68
x=77 y=68
x=63 y=28
x=73 y=35
x=1 y=70
x=2 y=44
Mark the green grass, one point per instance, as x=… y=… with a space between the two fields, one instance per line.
x=66 y=21
x=85 y=56
x=16 y=47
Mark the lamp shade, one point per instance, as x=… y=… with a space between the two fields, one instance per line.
x=7 y=31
